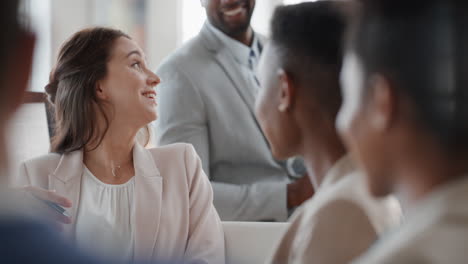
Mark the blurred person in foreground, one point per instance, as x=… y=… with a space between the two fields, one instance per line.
x=405 y=120
x=23 y=238
x=125 y=201
x=297 y=108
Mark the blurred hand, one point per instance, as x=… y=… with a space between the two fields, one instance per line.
x=37 y=194
x=299 y=191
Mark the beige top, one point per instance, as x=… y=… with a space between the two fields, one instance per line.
x=339 y=223
x=174 y=213
x=435 y=231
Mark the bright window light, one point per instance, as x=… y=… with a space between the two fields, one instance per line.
x=39 y=15
x=193 y=17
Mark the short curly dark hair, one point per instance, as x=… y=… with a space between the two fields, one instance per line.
x=309 y=36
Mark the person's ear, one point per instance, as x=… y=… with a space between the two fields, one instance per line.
x=286 y=91
x=18 y=71
x=101 y=92
x=383 y=107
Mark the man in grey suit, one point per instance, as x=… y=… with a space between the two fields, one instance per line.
x=207 y=97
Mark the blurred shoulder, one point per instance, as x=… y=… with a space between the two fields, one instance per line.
x=42 y=244
x=342 y=209
x=424 y=240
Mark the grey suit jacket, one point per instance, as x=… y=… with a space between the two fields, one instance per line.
x=205 y=100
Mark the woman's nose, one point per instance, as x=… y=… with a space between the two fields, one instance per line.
x=153 y=79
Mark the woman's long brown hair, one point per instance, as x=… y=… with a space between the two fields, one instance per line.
x=82 y=62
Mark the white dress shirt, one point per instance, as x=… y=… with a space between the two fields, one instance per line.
x=104 y=223
x=246 y=57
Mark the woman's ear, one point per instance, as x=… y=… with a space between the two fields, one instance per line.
x=286 y=91
x=383 y=107
x=100 y=91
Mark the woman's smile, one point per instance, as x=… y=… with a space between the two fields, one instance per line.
x=150 y=95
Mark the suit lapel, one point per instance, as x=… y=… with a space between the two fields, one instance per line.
x=226 y=61
x=66 y=180
x=147 y=203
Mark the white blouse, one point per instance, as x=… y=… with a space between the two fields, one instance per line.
x=104 y=221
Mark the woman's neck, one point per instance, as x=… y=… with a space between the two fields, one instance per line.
x=420 y=175
x=321 y=155
x=112 y=160
x=245 y=37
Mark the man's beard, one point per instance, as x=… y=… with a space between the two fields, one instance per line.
x=238 y=29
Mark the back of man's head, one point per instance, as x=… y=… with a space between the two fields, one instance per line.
x=309 y=38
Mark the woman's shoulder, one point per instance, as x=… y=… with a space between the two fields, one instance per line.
x=173 y=151
x=47 y=160
x=178 y=158
x=36 y=170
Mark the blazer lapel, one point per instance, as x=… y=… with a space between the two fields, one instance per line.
x=66 y=180
x=147 y=203
x=226 y=61
x=233 y=72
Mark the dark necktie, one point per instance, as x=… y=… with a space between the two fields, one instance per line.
x=251 y=66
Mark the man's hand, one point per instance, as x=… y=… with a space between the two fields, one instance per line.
x=299 y=191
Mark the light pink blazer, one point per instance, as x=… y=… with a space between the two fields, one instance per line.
x=174 y=213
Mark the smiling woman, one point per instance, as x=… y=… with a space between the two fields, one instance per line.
x=117 y=191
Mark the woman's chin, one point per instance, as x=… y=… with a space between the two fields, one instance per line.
x=152 y=116
x=145 y=119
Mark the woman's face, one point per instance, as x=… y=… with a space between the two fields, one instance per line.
x=277 y=124
x=129 y=85
x=356 y=128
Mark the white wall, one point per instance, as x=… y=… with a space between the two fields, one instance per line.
x=164 y=22
x=262 y=15
x=28 y=135
x=69 y=16
x=163 y=29
x=40 y=22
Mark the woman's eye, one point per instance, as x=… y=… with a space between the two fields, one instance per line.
x=136 y=65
